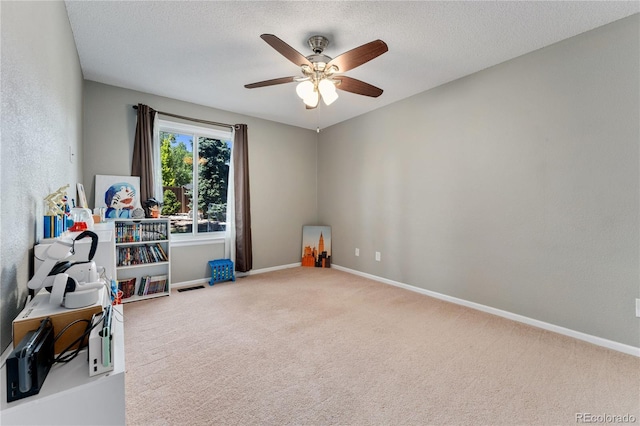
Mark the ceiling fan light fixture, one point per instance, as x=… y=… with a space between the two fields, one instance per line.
x=328 y=91
x=329 y=71
x=312 y=99
x=304 y=89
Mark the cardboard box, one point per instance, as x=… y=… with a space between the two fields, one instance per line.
x=39 y=308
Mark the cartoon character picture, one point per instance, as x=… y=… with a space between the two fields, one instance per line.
x=120 y=199
x=119 y=196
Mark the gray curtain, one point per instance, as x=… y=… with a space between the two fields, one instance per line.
x=244 y=255
x=142 y=163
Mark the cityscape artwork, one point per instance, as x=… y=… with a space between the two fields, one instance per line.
x=316 y=246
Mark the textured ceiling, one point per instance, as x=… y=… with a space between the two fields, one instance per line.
x=205 y=52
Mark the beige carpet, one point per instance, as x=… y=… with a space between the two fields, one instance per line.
x=308 y=346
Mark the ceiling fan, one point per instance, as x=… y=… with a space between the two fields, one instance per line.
x=321 y=75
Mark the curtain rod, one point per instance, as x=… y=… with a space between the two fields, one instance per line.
x=197 y=120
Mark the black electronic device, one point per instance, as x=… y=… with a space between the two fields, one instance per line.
x=30 y=362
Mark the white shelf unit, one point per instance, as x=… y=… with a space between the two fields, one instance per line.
x=143 y=250
x=69 y=396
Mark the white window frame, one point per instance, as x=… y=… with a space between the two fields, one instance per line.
x=181 y=239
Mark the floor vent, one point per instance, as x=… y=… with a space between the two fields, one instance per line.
x=190 y=288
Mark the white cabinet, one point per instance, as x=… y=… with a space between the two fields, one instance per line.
x=69 y=396
x=142 y=252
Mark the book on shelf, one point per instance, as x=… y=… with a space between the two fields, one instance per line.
x=153 y=284
x=161 y=250
x=143 y=283
x=128 y=287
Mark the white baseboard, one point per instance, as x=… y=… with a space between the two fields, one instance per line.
x=191 y=283
x=616 y=346
x=263 y=270
x=201 y=281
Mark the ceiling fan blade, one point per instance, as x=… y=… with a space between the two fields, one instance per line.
x=353 y=85
x=358 y=56
x=310 y=107
x=285 y=50
x=272 y=82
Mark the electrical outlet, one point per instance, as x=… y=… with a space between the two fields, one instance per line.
x=638 y=308
x=357 y=251
x=378 y=256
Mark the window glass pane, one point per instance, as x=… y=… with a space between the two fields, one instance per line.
x=213 y=175
x=176 y=155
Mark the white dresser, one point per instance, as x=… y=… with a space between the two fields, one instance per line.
x=69 y=396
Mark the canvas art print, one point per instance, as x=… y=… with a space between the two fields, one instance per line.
x=316 y=246
x=82 y=197
x=118 y=195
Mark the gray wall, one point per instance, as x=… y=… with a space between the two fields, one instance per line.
x=41 y=120
x=516 y=187
x=282 y=167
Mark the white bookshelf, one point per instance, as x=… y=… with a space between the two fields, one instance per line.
x=142 y=249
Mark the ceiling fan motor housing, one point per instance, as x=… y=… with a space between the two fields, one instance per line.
x=318 y=43
x=319 y=61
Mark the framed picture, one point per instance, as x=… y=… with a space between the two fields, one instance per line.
x=316 y=246
x=82 y=197
x=119 y=196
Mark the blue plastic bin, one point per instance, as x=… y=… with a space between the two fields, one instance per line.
x=221 y=270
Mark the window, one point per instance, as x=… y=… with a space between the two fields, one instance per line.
x=194 y=173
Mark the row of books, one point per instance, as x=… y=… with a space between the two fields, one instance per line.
x=136 y=232
x=140 y=255
x=152 y=285
x=54 y=226
x=148 y=285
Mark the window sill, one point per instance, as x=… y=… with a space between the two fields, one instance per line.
x=185 y=242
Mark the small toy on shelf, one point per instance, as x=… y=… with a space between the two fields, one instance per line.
x=57 y=213
x=56 y=202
